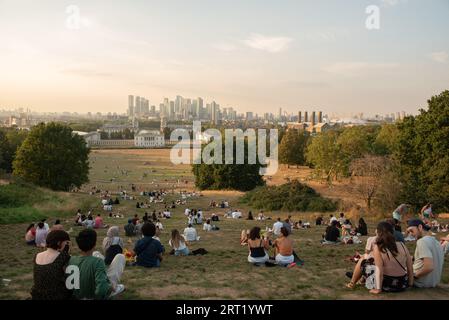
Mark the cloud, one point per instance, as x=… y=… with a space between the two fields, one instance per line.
x=357 y=68
x=441 y=57
x=268 y=44
x=87 y=72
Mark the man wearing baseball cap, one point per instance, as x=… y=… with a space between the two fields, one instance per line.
x=429 y=256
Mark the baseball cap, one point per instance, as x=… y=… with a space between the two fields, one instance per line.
x=416 y=223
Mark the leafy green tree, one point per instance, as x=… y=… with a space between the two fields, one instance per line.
x=52 y=156
x=326 y=156
x=242 y=177
x=386 y=141
x=292 y=148
x=10 y=141
x=422 y=152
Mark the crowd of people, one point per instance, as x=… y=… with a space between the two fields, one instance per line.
x=386 y=265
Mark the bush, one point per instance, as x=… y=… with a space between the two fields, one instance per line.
x=292 y=196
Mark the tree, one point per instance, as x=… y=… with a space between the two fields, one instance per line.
x=422 y=153
x=324 y=154
x=366 y=175
x=52 y=156
x=386 y=141
x=292 y=148
x=10 y=141
x=242 y=177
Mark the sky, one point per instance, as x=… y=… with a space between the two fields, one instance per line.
x=252 y=55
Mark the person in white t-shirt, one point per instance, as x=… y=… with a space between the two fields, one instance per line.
x=236 y=215
x=277 y=227
x=190 y=233
x=207 y=226
x=187 y=212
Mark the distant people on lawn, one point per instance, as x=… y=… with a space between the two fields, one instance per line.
x=49 y=278
x=179 y=243
x=159 y=225
x=397 y=229
x=89 y=223
x=362 y=228
x=98 y=224
x=30 y=235
x=284 y=248
x=319 y=221
x=400 y=211
x=258 y=247
x=57 y=226
x=277 y=227
x=190 y=233
x=332 y=234
x=148 y=251
x=207 y=226
x=130 y=228
x=41 y=235
x=342 y=219
x=96 y=282
x=358 y=273
x=429 y=255
x=346 y=228
x=426 y=213
x=250 y=216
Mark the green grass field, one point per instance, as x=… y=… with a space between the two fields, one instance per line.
x=223 y=273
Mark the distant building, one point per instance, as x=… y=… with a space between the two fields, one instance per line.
x=91 y=138
x=149 y=139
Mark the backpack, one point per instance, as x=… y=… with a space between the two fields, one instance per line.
x=200 y=251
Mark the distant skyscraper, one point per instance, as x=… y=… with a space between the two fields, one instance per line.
x=299 y=116
x=249 y=116
x=130 y=105
x=306 y=116
x=137 y=107
x=199 y=107
x=313 y=118
x=320 y=117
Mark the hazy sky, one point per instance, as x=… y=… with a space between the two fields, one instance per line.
x=253 y=55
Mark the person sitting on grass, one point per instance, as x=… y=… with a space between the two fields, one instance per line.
x=346 y=228
x=332 y=235
x=89 y=223
x=207 y=226
x=357 y=275
x=429 y=256
x=95 y=281
x=397 y=229
x=30 y=235
x=57 y=226
x=130 y=229
x=49 y=278
x=41 y=235
x=112 y=244
x=319 y=221
x=99 y=222
x=244 y=235
x=284 y=249
x=148 y=250
x=159 y=225
x=250 y=216
x=258 y=247
x=277 y=227
x=190 y=233
x=362 y=228
x=394 y=271
x=178 y=243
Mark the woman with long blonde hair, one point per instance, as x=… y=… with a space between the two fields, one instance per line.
x=178 y=243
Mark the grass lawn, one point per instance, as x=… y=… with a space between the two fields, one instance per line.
x=224 y=273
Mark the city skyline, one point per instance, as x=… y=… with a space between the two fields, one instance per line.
x=311 y=55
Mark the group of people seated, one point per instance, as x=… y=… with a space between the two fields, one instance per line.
x=88 y=221
x=222 y=204
x=387 y=265
x=259 y=247
x=341 y=230
x=36 y=234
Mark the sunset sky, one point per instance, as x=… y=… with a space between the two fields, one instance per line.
x=253 y=55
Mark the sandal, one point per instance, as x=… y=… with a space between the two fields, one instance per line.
x=350 y=285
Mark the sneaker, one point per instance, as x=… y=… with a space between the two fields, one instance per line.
x=349 y=274
x=119 y=289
